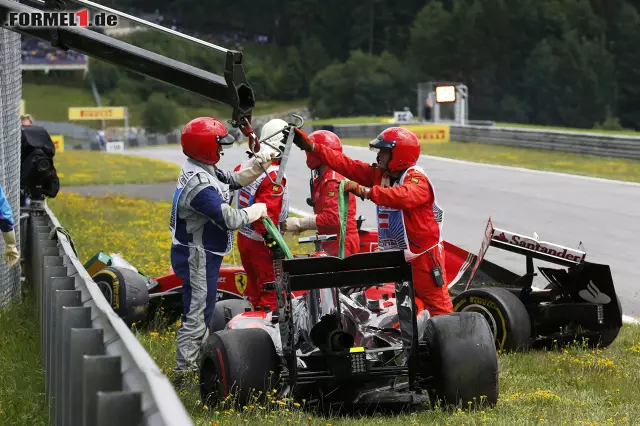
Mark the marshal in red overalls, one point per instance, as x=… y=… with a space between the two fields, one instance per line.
x=257 y=258
x=409 y=217
x=324 y=194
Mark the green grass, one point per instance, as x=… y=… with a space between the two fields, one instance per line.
x=22 y=382
x=95 y=167
x=575 y=386
x=51 y=103
x=585 y=165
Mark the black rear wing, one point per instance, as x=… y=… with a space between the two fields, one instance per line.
x=355 y=271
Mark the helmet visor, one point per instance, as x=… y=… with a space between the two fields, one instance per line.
x=379 y=143
x=225 y=140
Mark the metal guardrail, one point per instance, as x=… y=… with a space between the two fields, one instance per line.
x=552 y=140
x=97 y=373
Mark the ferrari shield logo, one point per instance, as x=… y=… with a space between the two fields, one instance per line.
x=241 y=282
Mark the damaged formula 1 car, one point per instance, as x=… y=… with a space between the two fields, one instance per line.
x=576 y=299
x=323 y=345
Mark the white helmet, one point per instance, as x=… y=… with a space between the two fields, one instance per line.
x=278 y=140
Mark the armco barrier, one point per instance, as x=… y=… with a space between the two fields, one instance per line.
x=97 y=373
x=551 y=140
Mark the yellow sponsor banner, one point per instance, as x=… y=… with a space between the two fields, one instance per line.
x=58 y=142
x=22 y=106
x=431 y=133
x=96 y=113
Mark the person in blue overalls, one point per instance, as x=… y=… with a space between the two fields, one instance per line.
x=202 y=224
x=11 y=253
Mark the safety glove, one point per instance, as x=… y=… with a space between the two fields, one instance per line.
x=300 y=139
x=256 y=211
x=11 y=253
x=300 y=224
x=357 y=189
x=261 y=162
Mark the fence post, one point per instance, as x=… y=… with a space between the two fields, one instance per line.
x=54 y=284
x=62 y=298
x=81 y=342
x=99 y=373
x=119 y=408
x=72 y=317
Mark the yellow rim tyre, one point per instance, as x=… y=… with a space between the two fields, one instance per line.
x=506 y=315
x=126 y=292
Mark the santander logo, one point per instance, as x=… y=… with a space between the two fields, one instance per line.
x=539 y=246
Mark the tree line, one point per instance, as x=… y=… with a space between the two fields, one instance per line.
x=569 y=63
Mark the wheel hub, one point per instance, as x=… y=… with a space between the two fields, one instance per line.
x=106 y=290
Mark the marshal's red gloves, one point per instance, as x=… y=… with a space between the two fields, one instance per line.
x=357 y=189
x=301 y=140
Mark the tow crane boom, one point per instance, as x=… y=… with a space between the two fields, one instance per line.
x=233 y=89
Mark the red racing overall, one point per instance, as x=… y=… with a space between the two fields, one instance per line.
x=325 y=198
x=256 y=257
x=408 y=218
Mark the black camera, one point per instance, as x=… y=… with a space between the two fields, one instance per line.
x=38 y=176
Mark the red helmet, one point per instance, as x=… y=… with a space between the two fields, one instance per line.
x=325 y=138
x=404 y=146
x=202 y=137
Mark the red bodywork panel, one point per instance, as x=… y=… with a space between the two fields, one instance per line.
x=233 y=279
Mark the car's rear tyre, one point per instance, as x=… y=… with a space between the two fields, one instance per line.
x=506 y=315
x=126 y=291
x=463 y=361
x=224 y=310
x=242 y=363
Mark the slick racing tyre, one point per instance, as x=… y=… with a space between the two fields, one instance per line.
x=126 y=291
x=506 y=315
x=463 y=361
x=224 y=310
x=242 y=363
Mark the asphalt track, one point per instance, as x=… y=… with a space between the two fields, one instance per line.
x=564 y=209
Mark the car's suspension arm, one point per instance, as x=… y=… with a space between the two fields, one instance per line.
x=232 y=89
